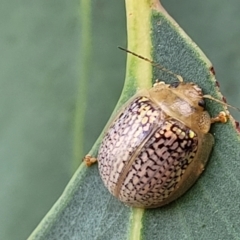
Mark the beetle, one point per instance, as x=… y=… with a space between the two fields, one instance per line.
x=157 y=146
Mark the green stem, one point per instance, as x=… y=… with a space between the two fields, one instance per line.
x=85 y=6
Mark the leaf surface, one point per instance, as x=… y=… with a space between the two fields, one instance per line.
x=87 y=211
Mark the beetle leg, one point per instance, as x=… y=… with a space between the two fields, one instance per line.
x=89 y=160
x=221 y=117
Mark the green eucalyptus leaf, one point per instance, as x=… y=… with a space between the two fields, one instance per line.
x=209 y=210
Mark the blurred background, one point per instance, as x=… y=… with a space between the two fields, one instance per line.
x=41 y=56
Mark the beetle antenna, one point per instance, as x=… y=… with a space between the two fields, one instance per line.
x=219 y=101
x=180 y=79
x=175 y=75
